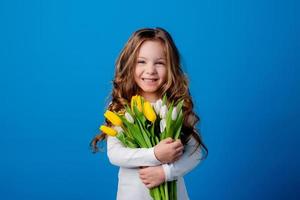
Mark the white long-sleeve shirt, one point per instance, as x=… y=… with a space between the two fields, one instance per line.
x=130 y=186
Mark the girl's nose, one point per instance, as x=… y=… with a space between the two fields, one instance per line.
x=150 y=69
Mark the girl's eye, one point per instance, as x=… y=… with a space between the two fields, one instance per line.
x=160 y=63
x=141 y=61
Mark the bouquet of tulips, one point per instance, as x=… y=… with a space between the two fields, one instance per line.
x=144 y=125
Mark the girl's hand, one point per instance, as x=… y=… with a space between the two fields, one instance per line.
x=152 y=176
x=168 y=150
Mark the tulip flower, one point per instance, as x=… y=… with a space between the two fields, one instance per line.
x=129 y=118
x=162 y=125
x=118 y=129
x=113 y=118
x=133 y=99
x=163 y=112
x=174 y=113
x=149 y=112
x=138 y=101
x=107 y=130
x=134 y=126
x=157 y=106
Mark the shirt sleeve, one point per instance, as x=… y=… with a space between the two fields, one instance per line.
x=189 y=160
x=122 y=156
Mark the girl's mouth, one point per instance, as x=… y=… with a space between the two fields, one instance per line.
x=149 y=79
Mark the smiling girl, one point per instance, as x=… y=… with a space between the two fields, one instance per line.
x=149 y=65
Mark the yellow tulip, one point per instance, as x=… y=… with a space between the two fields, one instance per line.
x=133 y=99
x=113 y=118
x=136 y=99
x=108 y=131
x=149 y=112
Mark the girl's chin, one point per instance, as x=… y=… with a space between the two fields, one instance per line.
x=149 y=89
x=150 y=83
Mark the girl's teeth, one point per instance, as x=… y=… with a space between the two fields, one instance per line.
x=149 y=80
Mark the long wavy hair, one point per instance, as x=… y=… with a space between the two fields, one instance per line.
x=175 y=86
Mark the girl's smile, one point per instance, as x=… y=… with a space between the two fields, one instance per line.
x=150 y=81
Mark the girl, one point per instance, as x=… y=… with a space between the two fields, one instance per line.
x=149 y=65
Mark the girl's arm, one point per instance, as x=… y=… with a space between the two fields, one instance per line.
x=185 y=164
x=122 y=156
x=155 y=175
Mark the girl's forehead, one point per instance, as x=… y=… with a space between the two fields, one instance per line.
x=152 y=47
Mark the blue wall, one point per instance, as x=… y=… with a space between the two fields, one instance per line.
x=56 y=66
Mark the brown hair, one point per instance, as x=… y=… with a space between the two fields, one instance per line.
x=175 y=87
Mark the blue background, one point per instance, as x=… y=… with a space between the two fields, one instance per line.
x=56 y=66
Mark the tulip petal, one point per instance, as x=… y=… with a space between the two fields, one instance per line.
x=107 y=130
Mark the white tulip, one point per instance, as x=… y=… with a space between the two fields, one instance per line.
x=162 y=125
x=163 y=112
x=174 y=113
x=157 y=106
x=118 y=129
x=129 y=118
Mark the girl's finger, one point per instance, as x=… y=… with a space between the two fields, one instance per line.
x=149 y=186
x=178 y=155
x=179 y=149
x=145 y=181
x=142 y=177
x=141 y=171
x=177 y=143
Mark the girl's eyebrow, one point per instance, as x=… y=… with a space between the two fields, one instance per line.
x=156 y=59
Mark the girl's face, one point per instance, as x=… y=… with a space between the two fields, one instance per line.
x=150 y=70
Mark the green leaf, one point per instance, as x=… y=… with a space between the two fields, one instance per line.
x=121 y=137
x=179 y=126
x=169 y=121
x=145 y=135
x=179 y=105
x=164 y=100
